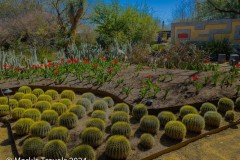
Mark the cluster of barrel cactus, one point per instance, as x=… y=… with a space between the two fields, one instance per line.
x=121 y=128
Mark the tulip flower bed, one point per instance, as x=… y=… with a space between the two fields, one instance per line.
x=98 y=128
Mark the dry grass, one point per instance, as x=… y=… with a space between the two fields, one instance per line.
x=5 y=143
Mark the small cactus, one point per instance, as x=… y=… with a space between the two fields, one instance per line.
x=121 y=128
x=100 y=105
x=13 y=103
x=55 y=149
x=50 y=116
x=22 y=126
x=207 y=107
x=18 y=96
x=31 y=97
x=59 y=107
x=194 y=122
x=149 y=124
x=225 y=104
x=147 y=141
x=37 y=92
x=60 y=133
x=122 y=107
x=66 y=101
x=25 y=90
x=230 y=116
x=4 y=110
x=90 y=96
x=25 y=103
x=119 y=116
x=68 y=120
x=139 y=111
x=32 y=113
x=118 y=147
x=96 y=122
x=86 y=103
x=3 y=100
x=40 y=129
x=85 y=151
x=212 y=118
x=99 y=114
x=42 y=105
x=52 y=93
x=78 y=110
x=69 y=94
x=92 y=136
x=187 y=110
x=17 y=113
x=175 y=130
x=109 y=101
x=33 y=147
x=237 y=103
x=45 y=97
x=165 y=116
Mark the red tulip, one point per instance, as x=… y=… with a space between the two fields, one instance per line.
x=25 y=69
x=17 y=72
x=195 y=77
x=49 y=64
x=207 y=61
x=38 y=67
x=75 y=60
x=69 y=61
x=62 y=59
x=115 y=62
x=237 y=65
x=33 y=65
x=86 y=59
x=110 y=70
x=5 y=65
x=10 y=67
x=56 y=71
x=88 y=62
x=104 y=58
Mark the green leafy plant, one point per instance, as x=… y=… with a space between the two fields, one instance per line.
x=127 y=90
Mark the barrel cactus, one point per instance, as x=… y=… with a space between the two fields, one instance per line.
x=139 y=111
x=109 y=101
x=55 y=149
x=225 y=104
x=79 y=110
x=42 y=105
x=25 y=89
x=18 y=96
x=4 y=110
x=32 y=113
x=175 y=130
x=121 y=107
x=22 y=126
x=31 y=97
x=230 y=115
x=121 y=128
x=17 y=113
x=68 y=120
x=45 y=97
x=37 y=92
x=96 y=122
x=52 y=93
x=147 y=141
x=100 y=105
x=207 y=107
x=60 y=133
x=40 y=129
x=187 y=110
x=165 y=116
x=69 y=94
x=90 y=96
x=59 y=107
x=237 y=103
x=85 y=151
x=66 y=101
x=86 y=103
x=194 y=122
x=25 y=103
x=33 y=147
x=212 y=118
x=3 y=100
x=92 y=136
x=119 y=116
x=149 y=124
x=13 y=103
x=50 y=116
x=118 y=147
x=99 y=114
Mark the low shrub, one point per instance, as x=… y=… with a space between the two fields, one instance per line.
x=37 y=92
x=55 y=149
x=187 y=110
x=149 y=124
x=139 y=111
x=42 y=105
x=194 y=122
x=165 y=116
x=86 y=103
x=78 y=110
x=121 y=128
x=3 y=101
x=207 y=107
x=17 y=113
x=25 y=103
x=50 y=116
x=230 y=115
x=52 y=93
x=60 y=133
x=18 y=96
x=90 y=96
x=96 y=122
x=100 y=105
x=119 y=116
x=99 y=114
x=32 y=147
x=85 y=151
x=212 y=118
x=13 y=103
x=122 y=107
x=92 y=136
x=109 y=101
x=45 y=97
x=68 y=120
x=4 y=110
x=40 y=129
x=147 y=141
x=66 y=101
x=60 y=108
x=175 y=130
x=225 y=104
x=22 y=126
x=69 y=94
x=25 y=90
x=32 y=113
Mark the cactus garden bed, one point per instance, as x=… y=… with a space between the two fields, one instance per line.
x=79 y=121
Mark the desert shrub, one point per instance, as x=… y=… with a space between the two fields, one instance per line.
x=92 y=136
x=52 y=93
x=3 y=100
x=13 y=103
x=86 y=103
x=121 y=128
x=42 y=105
x=50 y=116
x=207 y=107
x=68 y=120
x=99 y=114
x=165 y=116
x=60 y=108
x=25 y=90
x=109 y=101
x=31 y=97
x=237 y=103
x=212 y=118
x=175 y=130
x=17 y=113
x=33 y=147
x=32 y=113
x=121 y=107
x=194 y=122
x=45 y=97
x=69 y=94
x=18 y=96
x=149 y=124
x=225 y=104
x=85 y=151
x=187 y=110
x=100 y=105
x=119 y=116
x=60 y=133
x=22 y=126
x=117 y=147
x=40 y=129
x=90 y=96
x=4 y=110
x=55 y=149
x=139 y=111
x=230 y=115
x=79 y=110
x=37 y=92
x=66 y=101
x=25 y=103
x=147 y=141
x=96 y=122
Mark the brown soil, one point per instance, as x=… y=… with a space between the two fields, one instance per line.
x=5 y=143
